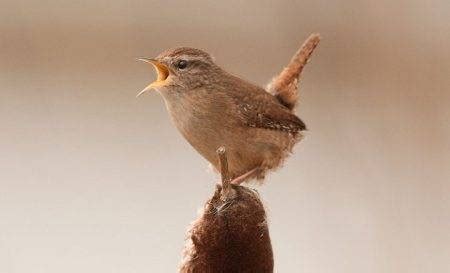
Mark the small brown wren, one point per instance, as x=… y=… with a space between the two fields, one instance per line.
x=213 y=108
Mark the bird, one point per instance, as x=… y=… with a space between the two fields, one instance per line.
x=213 y=108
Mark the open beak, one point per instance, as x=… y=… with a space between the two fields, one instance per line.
x=161 y=70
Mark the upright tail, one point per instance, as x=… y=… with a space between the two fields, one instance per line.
x=284 y=86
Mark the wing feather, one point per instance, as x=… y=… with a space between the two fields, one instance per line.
x=262 y=110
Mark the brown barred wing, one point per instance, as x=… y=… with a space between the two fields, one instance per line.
x=261 y=112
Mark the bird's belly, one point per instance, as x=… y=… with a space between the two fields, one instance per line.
x=247 y=148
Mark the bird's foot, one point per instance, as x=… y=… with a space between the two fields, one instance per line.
x=242 y=178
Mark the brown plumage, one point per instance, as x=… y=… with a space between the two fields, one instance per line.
x=284 y=87
x=213 y=108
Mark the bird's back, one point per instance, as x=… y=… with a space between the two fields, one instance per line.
x=259 y=109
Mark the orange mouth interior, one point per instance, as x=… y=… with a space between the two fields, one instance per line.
x=161 y=70
x=162 y=74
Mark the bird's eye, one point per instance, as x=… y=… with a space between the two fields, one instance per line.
x=182 y=64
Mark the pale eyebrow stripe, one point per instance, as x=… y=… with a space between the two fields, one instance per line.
x=187 y=58
x=190 y=58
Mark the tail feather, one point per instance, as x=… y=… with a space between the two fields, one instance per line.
x=285 y=86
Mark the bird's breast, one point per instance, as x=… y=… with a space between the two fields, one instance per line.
x=201 y=119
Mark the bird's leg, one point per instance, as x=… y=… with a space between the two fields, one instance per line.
x=238 y=180
x=227 y=192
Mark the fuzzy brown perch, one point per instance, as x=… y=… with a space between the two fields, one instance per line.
x=231 y=234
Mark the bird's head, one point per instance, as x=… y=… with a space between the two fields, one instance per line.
x=181 y=69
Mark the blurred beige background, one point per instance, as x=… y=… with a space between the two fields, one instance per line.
x=94 y=180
